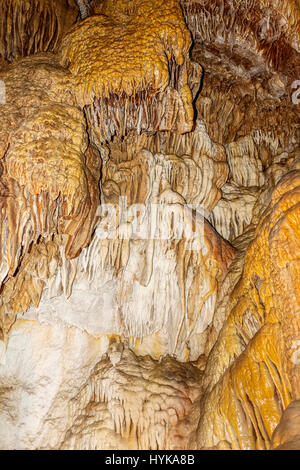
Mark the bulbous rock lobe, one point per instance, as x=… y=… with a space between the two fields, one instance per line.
x=27 y=27
x=49 y=175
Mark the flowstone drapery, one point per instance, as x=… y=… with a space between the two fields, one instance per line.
x=149 y=224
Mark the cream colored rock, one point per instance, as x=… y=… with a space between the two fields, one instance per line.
x=149 y=224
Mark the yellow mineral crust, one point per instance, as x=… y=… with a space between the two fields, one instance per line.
x=252 y=371
x=245 y=405
x=129 y=52
x=287 y=433
x=27 y=27
x=126 y=50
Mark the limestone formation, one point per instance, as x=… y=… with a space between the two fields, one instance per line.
x=286 y=435
x=149 y=224
x=27 y=27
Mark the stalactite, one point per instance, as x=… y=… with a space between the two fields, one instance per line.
x=49 y=177
x=139 y=76
x=269 y=27
x=34 y=26
x=145 y=413
x=149 y=224
x=253 y=335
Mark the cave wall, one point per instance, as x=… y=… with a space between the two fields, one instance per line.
x=149 y=224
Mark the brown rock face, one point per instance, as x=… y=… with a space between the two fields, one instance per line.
x=27 y=27
x=149 y=224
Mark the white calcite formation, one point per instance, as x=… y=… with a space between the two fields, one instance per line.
x=98 y=396
x=234 y=211
x=145 y=279
x=149 y=224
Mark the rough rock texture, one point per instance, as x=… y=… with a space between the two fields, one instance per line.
x=261 y=330
x=149 y=224
x=49 y=178
x=138 y=401
x=27 y=27
x=131 y=68
x=287 y=434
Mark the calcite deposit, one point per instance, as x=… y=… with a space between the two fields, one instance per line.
x=149 y=224
x=27 y=27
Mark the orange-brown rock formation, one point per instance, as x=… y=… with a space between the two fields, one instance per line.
x=286 y=435
x=149 y=224
x=34 y=26
x=49 y=178
x=131 y=69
